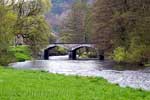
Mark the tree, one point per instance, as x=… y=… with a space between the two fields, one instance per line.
x=122 y=23
x=24 y=18
x=31 y=24
x=102 y=27
x=76 y=27
x=7 y=21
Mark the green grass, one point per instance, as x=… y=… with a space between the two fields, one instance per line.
x=21 y=53
x=38 y=85
x=147 y=65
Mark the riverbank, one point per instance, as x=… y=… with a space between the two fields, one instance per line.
x=125 y=76
x=38 y=85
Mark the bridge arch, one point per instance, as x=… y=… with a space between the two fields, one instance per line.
x=72 y=48
x=46 y=50
x=73 y=51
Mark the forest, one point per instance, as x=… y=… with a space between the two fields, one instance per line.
x=120 y=28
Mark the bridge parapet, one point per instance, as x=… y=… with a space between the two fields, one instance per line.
x=69 y=46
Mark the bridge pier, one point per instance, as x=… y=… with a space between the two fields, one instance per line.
x=72 y=55
x=101 y=55
x=46 y=54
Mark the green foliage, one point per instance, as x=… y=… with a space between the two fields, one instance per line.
x=76 y=27
x=88 y=55
x=22 y=49
x=92 y=54
x=83 y=55
x=37 y=32
x=25 y=8
x=135 y=55
x=21 y=53
x=140 y=40
x=22 y=57
x=40 y=85
x=31 y=24
x=61 y=50
x=6 y=58
x=66 y=37
x=147 y=65
x=119 y=54
x=25 y=18
x=7 y=22
x=124 y=25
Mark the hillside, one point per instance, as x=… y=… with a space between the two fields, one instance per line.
x=59 y=10
x=60 y=6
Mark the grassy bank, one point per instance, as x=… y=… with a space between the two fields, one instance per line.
x=147 y=65
x=38 y=85
x=21 y=53
x=15 y=54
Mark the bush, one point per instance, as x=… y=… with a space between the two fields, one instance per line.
x=88 y=55
x=139 y=55
x=61 y=51
x=6 y=58
x=119 y=54
x=84 y=55
x=133 y=56
x=92 y=54
x=22 y=57
x=21 y=53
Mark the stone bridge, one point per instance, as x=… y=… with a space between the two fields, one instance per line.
x=72 y=48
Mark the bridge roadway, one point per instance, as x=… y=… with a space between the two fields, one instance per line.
x=72 y=48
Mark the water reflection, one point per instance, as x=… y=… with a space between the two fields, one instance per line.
x=61 y=63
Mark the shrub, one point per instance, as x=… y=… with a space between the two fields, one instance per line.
x=88 y=55
x=22 y=57
x=21 y=53
x=84 y=55
x=119 y=54
x=134 y=56
x=92 y=54
x=139 y=54
x=61 y=51
x=6 y=58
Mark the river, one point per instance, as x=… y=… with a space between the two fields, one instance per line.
x=132 y=76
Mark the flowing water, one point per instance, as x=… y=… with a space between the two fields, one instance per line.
x=132 y=76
